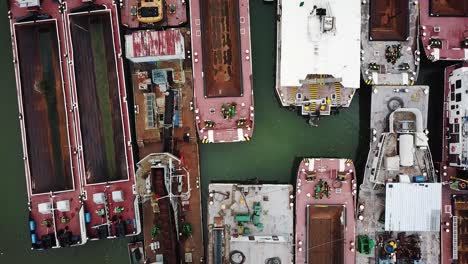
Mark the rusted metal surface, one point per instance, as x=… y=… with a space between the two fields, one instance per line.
x=325 y=234
x=221 y=48
x=449 y=7
x=389 y=20
x=45 y=115
x=97 y=161
x=157 y=43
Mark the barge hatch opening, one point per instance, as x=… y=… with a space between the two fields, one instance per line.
x=221 y=48
x=325 y=234
x=389 y=20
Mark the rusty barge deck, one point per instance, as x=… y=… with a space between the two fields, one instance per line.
x=47 y=126
x=222 y=70
x=102 y=119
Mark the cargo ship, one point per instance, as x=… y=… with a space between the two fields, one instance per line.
x=222 y=70
x=399 y=205
x=250 y=223
x=102 y=119
x=325 y=211
x=56 y=211
x=390 y=42
x=137 y=14
x=454 y=165
x=443 y=29
x=311 y=35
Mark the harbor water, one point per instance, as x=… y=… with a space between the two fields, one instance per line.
x=281 y=138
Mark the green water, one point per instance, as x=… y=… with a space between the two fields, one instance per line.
x=280 y=137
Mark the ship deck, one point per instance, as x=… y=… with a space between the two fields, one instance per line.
x=386 y=24
x=304 y=76
x=319 y=233
x=222 y=69
x=35 y=69
x=254 y=221
x=129 y=19
x=103 y=120
x=445 y=21
x=385 y=99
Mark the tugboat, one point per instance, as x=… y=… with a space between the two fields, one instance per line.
x=325 y=211
x=443 y=29
x=56 y=211
x=399 y=203
x=390 y=42
x=454 y=165
x=222 y=70
x=317 y=67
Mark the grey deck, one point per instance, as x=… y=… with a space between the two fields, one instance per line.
x=374 y=52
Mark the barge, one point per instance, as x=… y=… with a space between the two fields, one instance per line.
x=222 y=70
x=250 y=223
x=443 y=29
x=454 y=165
x=56 y=211
x=390 y=42
x=318 y=65
x=102 y=119
x=325 y=211
x=399 y=205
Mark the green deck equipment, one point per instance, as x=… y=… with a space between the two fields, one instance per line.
x=242 y=218
x=365 y=244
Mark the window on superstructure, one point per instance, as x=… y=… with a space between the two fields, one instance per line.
x=458 y=97
x=452 y=88
x=458 y=84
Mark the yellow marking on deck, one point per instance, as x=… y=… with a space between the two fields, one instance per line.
x=338 y=92
x=313 y=91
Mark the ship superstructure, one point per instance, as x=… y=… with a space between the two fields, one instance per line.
x=454 y=165
x=399 y=204
x=443 y=29
x=250 y=223
x=325 y=211
x=102 y=119
x=56 y=211
x=390 y=42
x=222 y=70
x=318 y=45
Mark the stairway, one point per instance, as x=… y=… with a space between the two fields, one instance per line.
x=338 y=93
